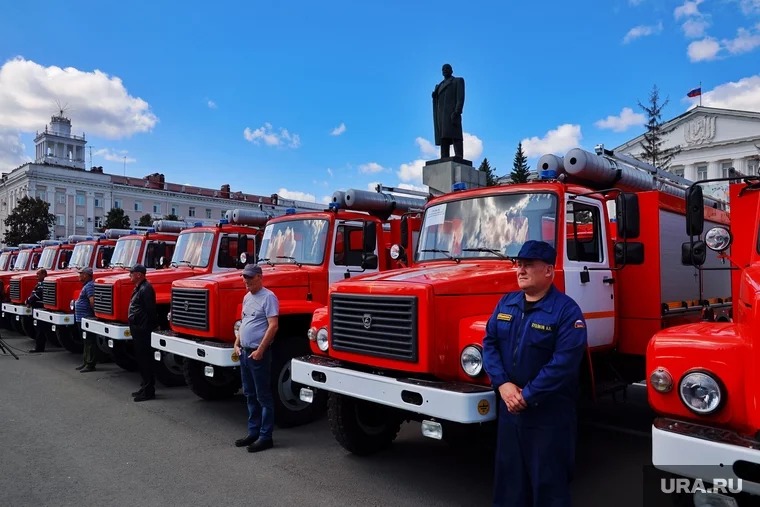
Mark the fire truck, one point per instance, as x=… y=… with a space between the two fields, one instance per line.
x=8 y=257
x=55 y=256
x=407 y=345
x=27 y=257
x=201 y=249
x=301 y=255
x=704 y=377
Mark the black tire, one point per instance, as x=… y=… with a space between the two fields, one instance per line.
x=123 y=354
x=170 y=371
x=289 y=410
x=223 y=385
x=67 y=337
x=16 y=325
x=102 y=351
x=362 y=427
x=28 y=327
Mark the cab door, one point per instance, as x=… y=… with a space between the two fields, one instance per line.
x=588 y=277
x=348 y=251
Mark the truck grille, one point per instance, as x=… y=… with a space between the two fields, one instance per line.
x=383 y=326
x=190 y=308
x=48 y=294
x=15 y=290
x=104 y=298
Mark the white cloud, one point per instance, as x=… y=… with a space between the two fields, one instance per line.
x=687 y=9
x=419 y=188
x=11 y=150
x=330 y=172
x=267 y=134
x=372 y=185
x=427 y=148
x=411 y=172
x=338 y=130
x=473 y=147
x=97 y=103
x=750 y=6
x=693 y=28
x=642 y=31
x=744 y=42
x=622 y=122
x=114 y=156
x=211 y=104
x=705 y=49
x=371 y=168
x=326 y=199
x=559 y=140
x=296 y=195
x=743 y=95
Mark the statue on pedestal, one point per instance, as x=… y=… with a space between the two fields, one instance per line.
x=448 y=103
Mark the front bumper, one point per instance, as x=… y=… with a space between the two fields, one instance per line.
x=449 y=401
x=54 y=318
x=107 y=329
x=209 y=352
x=692 y=450
x=12 y=309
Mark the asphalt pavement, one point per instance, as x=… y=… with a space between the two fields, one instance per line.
x=68 y=438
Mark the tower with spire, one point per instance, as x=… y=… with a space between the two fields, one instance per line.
x=57 y=146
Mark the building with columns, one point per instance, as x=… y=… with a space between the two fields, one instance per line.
x=80 y=199
x=710 y=142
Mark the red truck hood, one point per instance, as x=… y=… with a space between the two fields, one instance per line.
x=274 y=277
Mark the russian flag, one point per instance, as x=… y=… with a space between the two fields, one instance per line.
x=696 y=92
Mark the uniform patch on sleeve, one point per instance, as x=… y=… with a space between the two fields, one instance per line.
x=579 y=324
x=504 y=316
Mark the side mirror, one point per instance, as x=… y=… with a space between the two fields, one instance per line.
x=369 y=261
x=629 y=253
x=695 y=210
x=243 y=258
x=370 y=237
x=627 y=215
x=693 y=254
x=404 y=234
x=398 y=252
x=62 y=265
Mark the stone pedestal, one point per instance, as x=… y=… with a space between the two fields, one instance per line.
x=441 y=174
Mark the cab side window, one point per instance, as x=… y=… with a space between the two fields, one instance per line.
x=349 y=246
x=584 y=237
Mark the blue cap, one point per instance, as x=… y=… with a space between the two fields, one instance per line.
x=252 y=270
x=538 y=250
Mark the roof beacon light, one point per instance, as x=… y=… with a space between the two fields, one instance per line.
x=460 y=185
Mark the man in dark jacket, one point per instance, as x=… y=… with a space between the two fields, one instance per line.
x=35 y=301
x=142 y=320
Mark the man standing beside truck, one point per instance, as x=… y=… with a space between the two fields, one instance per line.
x=142 y=320
x=35 y=301
x=260 y=320
x=85 y=307
x=534 y=344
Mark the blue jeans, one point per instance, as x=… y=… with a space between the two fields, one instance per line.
x=256 y=378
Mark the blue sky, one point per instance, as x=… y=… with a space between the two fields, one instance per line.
x=304 y=98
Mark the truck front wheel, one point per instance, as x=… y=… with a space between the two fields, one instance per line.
x=289 y=410
x=169 y=370
x=224 y=384
x=361 y=427
x=123 y=354
x=27 y=325
x=69 y=338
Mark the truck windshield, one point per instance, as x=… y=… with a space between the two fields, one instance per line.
x=492 y=226
x=21 y=260
x=193 y=249
x=294 y=241
x=4 y=260
x=126 y=252
x=47 y=258
x=81 y=256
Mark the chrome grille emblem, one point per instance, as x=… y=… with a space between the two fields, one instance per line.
x=367 y=320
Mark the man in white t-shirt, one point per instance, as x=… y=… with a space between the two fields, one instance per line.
x=253 y=344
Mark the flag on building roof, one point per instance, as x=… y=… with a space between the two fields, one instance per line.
x=696 y=92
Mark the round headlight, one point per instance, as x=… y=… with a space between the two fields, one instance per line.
x=718 y=239
x=700 y=392
x=322 y=339
x=471 y=360
x=312 y=334
x=661 y=380
x=395 y=252
x=236 y=328
x=243 y=258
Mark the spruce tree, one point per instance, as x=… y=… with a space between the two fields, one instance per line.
x=116 y=219
x=520 y=167
x=485 y=167
x=654 y=153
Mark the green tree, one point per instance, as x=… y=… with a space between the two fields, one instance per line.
x=29 y=222
x=116 y=219
x=171 y=216
x=520 y=167
x=654 y=153
x=485 y=167
x=146 y=220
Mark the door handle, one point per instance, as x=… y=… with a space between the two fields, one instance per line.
x=608 y=279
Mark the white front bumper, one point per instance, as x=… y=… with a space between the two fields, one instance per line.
x=691 y=450
x=55 y=318
x=215 y=353
x=449 y=401
x=106 y=329
x=16 y=309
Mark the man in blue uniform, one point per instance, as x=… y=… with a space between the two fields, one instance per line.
x=535 y=341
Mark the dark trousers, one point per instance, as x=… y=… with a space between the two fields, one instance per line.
x=144 y=357
x=534 y=465
x=256 y=378
x=89 y=354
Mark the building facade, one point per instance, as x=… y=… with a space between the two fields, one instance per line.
x=80 y=199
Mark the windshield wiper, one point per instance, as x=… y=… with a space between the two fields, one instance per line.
x=183 y=261
x=489 y=250
x=267 y=260
x=444 y=252
x=290 y=259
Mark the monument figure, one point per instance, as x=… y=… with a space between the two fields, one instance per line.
x=448 y=103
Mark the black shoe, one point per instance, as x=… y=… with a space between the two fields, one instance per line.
x=35 y=351
x=137 y=393
x=144 y=396
x=260 y=445
x=87 y=369
x=80 y=367
x=243 y=442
